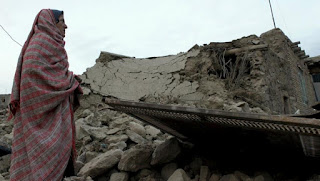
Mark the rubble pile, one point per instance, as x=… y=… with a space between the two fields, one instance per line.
x=262 y=74
x=116 y=147
x=5 y=142
x=227 y=76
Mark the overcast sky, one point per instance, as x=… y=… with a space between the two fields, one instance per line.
x=147 y=28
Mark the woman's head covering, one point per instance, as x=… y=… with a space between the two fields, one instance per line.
x=56 y=14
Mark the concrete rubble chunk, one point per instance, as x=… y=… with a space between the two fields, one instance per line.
x=116 y=138
x=7 y=138
x=196 y=164
x=81 y=133
x=101 y=163
x=166 y=152
x=204 y=173
x=196 y=178
x=168 y=170
x=113 y=131
x=82 y=157
x=242 y=176
x=179 y=175
x=96 y=133
x=120 y=145
x=5 y=163
x=214 y=177
x=229 y=177
x=74 y=178
x=90 y=155
x=148 y=175
x=86 y=113
x=135 y=137
x=136 y=158
x=152 y=131
x=137 y=128
x=143 y=174
x=263 y=177
x=86 y=91
x=91 y=120
x=6 y=175
x=119 y=176
x=77 y=166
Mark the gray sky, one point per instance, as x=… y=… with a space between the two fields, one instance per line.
x=145 y=28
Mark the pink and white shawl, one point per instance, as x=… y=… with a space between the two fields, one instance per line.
x=44 y=130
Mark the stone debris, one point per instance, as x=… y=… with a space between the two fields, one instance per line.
x=114 y=146
x=165 y=152
x=179 y=175
x=204 y=173
x=101 y=163
x=168 y=170
x=136 y=158
x=119 y=176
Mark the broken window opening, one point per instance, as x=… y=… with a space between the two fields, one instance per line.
x=316 y=77
x=286 y=108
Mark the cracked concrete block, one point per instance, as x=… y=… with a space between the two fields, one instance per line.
x=133 y=79
x=137 y=128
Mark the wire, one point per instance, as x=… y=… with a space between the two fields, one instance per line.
x=274 y=23
x=10 y=36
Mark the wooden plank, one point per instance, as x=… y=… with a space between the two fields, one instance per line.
x=243 y=49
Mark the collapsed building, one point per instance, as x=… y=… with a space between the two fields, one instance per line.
x=268 y=75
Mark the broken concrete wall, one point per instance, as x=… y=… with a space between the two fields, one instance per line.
x=296 y=89
x=260 y=73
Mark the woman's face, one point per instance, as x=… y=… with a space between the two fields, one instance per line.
x=62 y=25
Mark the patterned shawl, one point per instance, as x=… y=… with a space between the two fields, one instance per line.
x=41 y=104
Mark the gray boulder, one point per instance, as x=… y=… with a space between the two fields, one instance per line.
x=101 y=163
x=119 y=176
x=166 y=152
x=136 y=158
x=168 y=170
x=135 y=137
x=5 y=163
x=179 y=175
x=229 y=177
x=137 y=128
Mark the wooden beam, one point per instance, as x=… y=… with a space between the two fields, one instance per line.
x=296 y=43
x=248 y=48
x=301 y=53
x=304 y=56
x=296 y=49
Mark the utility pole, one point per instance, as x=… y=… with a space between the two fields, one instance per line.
x=274 y=23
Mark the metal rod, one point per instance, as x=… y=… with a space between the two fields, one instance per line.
x=274 y=23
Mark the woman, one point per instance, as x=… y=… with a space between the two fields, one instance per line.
x=43 y=99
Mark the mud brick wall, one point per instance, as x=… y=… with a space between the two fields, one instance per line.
x=273 y=80
x=297 y=92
